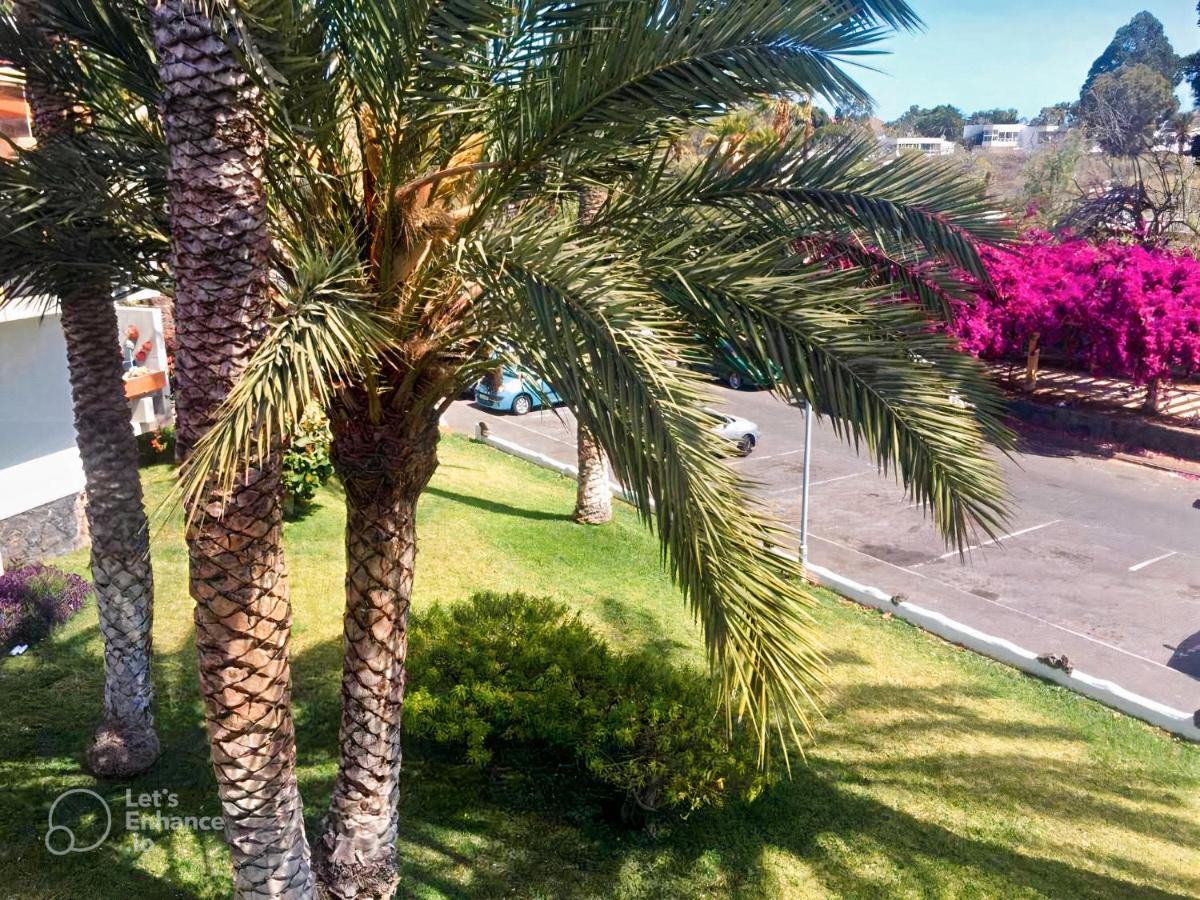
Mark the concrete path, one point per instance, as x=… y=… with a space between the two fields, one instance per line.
x=1101 y=562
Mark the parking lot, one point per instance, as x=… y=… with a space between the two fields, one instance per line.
x=1099 y=563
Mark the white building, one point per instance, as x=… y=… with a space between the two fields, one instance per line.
x=925 y=145
x=1014 y=136
x=41 y=475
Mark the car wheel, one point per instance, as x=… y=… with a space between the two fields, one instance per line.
x=746 y=445
x=734 y=381
x=522 y=404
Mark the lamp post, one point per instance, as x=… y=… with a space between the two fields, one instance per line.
x=808 y=411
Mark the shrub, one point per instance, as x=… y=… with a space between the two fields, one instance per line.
x=1112 y=308
x=306 y=463
x=35 y=599
x=510 y=669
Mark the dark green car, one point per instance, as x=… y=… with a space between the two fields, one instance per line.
x=726 y=365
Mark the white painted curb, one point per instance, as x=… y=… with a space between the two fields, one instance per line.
x=1110 y=694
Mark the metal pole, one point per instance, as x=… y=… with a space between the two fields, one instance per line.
x=807 y=472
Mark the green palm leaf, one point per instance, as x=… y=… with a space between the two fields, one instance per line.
x=604 y=341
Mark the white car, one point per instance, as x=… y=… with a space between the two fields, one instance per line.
x=741 y=431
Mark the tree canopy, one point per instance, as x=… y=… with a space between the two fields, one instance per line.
x=1189 y=68
x=997 y=116
x=944 y=121
x=1141 y=42
x=1123 y=109
x=1058 y=114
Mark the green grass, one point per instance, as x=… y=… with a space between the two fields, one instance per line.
x=935 y=773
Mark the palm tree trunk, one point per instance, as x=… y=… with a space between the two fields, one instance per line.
x=238 y=574
x=384 y=467
x=125 y=744
x=593 y=496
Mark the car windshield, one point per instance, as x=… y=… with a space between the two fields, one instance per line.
x=727 y=419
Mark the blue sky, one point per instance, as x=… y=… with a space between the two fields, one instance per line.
x=981 y=54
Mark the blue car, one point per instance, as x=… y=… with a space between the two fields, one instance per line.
x=517 y=392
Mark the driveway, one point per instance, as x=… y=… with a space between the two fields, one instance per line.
x=1100 y=563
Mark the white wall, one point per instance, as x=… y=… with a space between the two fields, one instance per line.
x=39 y=461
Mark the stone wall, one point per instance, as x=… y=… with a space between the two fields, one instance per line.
x=44 y=531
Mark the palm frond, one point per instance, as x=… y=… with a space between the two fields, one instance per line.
x=874 y=364
x=794 y=191
x=601 y=79
x=327 y=335
x=111 y=45
x=78 y=208
x=579 y=315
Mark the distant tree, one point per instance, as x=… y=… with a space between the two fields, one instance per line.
x=1189 y=68
x=996 y=116
x=1058 y=114
x=853 y=112
x=943 y=121
x=1050 y=179
x=1180 y=127
x=1142 y=42
x=1123 y=109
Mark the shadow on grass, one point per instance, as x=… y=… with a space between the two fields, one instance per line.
x=53 y=699
x=631 y=619
x=529 y=827
x=493 y=506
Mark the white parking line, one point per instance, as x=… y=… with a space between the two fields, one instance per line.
x=995 y=540
x=1151 y=562
x=997 y=603
x=800 y=487
x=756 y=458
x=839 y=478
x=569 y=443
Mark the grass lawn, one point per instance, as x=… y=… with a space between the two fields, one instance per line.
x=936 y=773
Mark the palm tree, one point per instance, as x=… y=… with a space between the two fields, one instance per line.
x=53 y=248
x=593 y=496
x=211 y=115
x=1180 y=126
x=419 y=156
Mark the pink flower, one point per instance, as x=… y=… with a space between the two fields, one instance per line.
x=1112 y=309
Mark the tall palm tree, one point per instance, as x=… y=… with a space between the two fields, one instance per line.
x=1180 y=126
x=60 y=242
x=419 y=153
x=212 y=123
x=593 y=496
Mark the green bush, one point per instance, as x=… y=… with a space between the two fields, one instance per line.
x=306 y=464
x=516 y=670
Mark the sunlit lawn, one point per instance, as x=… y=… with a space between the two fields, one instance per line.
x=935 y=774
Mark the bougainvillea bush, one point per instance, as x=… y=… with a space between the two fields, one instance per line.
x=34 y=600
x=1113 y=309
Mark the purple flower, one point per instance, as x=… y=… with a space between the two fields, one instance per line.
x=34 y=599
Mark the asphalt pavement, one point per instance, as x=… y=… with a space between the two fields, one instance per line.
x=1100 y=562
